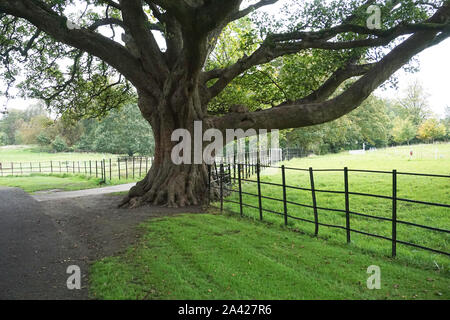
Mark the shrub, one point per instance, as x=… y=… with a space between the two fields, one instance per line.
x=43 y=139
x=59 y=145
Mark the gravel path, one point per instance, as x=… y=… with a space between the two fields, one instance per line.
x=39 y=240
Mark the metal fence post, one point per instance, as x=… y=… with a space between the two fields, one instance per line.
x=209 y=184
x=394 y=213
x=283 y=177
x=240 y=189
x=126 y=168
x=96 y=168
x=118 y=166
x=258 y=179
x=313 y=193
x=347 y=205
x=51 y=166
x=221 y=186
x=110 y=169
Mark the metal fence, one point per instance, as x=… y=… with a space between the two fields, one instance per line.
x=120 y=168
x=224 y=178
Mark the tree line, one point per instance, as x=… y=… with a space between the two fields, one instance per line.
x=121 y=131
x=377 y=123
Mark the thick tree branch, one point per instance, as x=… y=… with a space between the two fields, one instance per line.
x=337 y=78
x=138 y=24
x=283 y=44
x=106 y=22
x=45 y=19
x=299 y=114
x=250 y=9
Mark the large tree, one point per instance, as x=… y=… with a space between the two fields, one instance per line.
x=174 y=84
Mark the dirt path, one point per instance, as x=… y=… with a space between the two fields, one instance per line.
x=39 y=240
x=47 y=196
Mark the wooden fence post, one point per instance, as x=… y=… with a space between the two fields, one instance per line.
x=313 y=193
x=347 y=205
x=110 y=169
x=51 y=166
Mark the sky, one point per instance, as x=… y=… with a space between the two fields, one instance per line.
x=433 y=75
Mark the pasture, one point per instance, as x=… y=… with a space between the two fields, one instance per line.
x=426 y=159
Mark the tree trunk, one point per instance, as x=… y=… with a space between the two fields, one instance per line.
x=167 y=183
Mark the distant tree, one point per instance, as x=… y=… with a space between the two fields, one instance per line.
x=33 y=110
x=403 y=130
x=415 y=104
x=3 y=139
x=447 y=121
x=124 y=132
x=431 y=130
x=10 y=124
x=29 y=131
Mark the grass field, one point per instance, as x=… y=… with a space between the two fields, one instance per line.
x=410 y=187
x=207 y=256
x=227 y=257
x=60 y=181
x=32 y=154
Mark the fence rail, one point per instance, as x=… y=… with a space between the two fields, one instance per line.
x=229 y=175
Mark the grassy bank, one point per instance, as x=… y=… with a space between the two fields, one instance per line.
x=224 y=257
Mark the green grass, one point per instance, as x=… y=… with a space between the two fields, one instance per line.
x=63 y=182
x=28 y=154
x=412 y=187
x=61 y=179
x=207 y=256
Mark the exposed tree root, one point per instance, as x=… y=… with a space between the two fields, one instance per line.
x=170 y=185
